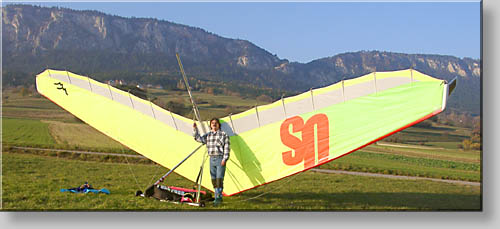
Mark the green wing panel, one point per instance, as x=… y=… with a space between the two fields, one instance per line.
x=324 y=124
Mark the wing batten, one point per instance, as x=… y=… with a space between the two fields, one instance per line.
x=323 y=97
x=248 y=120
x=173 y=120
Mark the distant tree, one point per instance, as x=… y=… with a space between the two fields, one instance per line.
x=476 y=126
x=159 y=103
x=232 y=93
x=178 y=108
x=424 y=124
x=434 y=118
x=181 y=85
x=24 y=91
x=466 y=144
x=474 y=140
x=134 y=90
x=476 y=146
x=218 y=91
x=209 y=90
x=265 y=98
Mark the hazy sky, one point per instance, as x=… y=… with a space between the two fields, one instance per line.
x=303 y=31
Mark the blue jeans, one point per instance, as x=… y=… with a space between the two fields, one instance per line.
x=217 y=171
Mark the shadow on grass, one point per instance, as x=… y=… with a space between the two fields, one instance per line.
x=370 y=201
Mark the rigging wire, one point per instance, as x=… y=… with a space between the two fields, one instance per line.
x=194 y=116
x=133 y=174
x=155 y=174
x=129 y=166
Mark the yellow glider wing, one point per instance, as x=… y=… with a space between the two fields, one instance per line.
x=144 y=127
x=269 y=142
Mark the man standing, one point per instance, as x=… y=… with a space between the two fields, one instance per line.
x=217 y=143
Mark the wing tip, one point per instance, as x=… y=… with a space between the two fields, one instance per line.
x=452 y=85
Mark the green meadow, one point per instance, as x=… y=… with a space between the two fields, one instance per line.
x=33 y=121
x=408 y=166
x=19 y=131
x=32 y=182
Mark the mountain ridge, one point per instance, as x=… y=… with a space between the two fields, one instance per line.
x=95 y=43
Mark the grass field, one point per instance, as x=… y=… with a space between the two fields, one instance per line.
x=209 y=105
x=422 y=162
x=205 y=99
x=80 y=135
x=436 y=136
x=408 y=166
x=427 y=152
x=26 y=132
x=33 y=182
x=32 y=107
x=35 y=121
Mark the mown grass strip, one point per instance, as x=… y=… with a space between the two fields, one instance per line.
x=80 y=135
x=26 y=131
x=434 y=163
x=57 y=135
x=433 y=153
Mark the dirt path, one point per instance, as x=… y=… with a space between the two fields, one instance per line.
x=395 y=176
x=313 y=170
x=78 y=151
x=407 y=146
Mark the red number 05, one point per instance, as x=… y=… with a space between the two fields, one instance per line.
x=304 y=150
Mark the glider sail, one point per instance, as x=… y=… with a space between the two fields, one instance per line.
x=268 y=142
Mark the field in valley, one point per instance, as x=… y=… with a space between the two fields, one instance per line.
x=32 y=179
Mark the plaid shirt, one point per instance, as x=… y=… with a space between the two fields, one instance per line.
x=217 y=142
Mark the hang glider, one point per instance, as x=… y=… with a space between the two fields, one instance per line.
x=268 y=142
